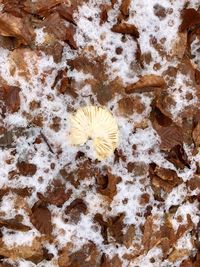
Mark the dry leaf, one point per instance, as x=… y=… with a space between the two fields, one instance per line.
x=130 y=105
x=109 y=185
x=196 y=135
x=126 y=28
x=75 y=209
x=56 y=194
x=146 y=83
x=14 y=224
x=26 y=169
x=10 y=96
x=16 y=27
x=124 y=8
x=87 y=256
x=25 y=252
x=41 y=7
x=41 y=219
x=190 y=18
x=151 y=235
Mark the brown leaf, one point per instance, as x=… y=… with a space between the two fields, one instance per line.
x=190 y=18
x=56 y=194
x=69 y=38
x=41 y=7
x=41 y=219
x=178 y=157
x=104 y=13
x=164 y=179
x=66 y=12
x=26 y=169
x=151 y=236
x=124 y=8
x=196 y=135
x=197 y=76
x=107 y=262
x=16 y=27
x=194 y=183
x=178 y=254
x=54 y=49
x=32 y=252
x=146 y=83
x=109 y=186
x=14 y=224
x=6 y=264
x=126 y=28
x=130 y=105
x=170 y=134
x=10 y=96
x=87 y=256
x=75 y=209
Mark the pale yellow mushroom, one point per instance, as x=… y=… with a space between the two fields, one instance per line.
x=98 y=124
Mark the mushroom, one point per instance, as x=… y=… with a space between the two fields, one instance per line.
x=98 y=124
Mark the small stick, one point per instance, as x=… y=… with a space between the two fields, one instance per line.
x=47 y=142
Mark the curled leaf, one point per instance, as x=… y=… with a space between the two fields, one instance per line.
x=146 y=83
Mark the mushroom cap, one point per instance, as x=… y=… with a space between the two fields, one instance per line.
x=99 y=125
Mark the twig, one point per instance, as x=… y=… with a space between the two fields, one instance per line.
x=47 y=142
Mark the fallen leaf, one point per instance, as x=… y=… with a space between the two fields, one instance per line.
x=126 y=28
x=190 y=18
x=75 y=209
x=56 y=194
x=146 y=83
x=196 y=135
x=32 y=252
x=107 y=185
x=178 y=254
x=110 y=262
x=11 y=98
x=151 y=235
x=26 y=169
x=124 y=8
x=41 y=7
x=104 y=13
x=87 y=256
x=130 y=105
x=66 y=12
x=14 y=224
x=16 y=27
x=41 y=219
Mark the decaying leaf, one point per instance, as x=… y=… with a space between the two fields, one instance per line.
x=32 y=252
x=16 y=27
x=10 y=96
x=108 y=185
x=14 y=224
x=56 y=194
x=26 y=169
x=190 y=18
x=107 y=262
x=41 y=7
x=124 y=8
x=75 y=209
x=130 y=105
x=126 y=28
x=196 y=135
x=165 y=179
x=151 y=235
x=146 y=83
x=87 y=256
x=41 y=219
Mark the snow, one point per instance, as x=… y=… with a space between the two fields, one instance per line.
x=37 y=86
